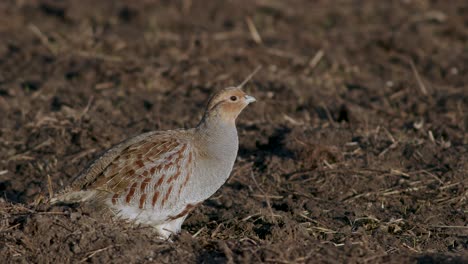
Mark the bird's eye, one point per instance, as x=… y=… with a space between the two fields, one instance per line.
x=233 y=98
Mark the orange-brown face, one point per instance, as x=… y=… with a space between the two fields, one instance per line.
x=229 y=102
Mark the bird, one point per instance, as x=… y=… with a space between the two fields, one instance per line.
x=157 y=178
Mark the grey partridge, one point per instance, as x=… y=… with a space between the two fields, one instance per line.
x=157 y=178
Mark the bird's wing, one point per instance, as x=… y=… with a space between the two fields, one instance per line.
x=149 y=174
x=143 y=166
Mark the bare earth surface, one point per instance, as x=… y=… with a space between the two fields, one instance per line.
x=356 y=151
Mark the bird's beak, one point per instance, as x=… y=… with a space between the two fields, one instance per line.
x=250 y=99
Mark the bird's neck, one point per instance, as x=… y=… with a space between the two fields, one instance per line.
x=217 y=134
x=213 y=125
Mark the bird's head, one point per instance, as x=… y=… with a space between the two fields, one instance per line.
x=228 y=103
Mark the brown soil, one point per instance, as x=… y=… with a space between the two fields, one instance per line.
x=356 y=151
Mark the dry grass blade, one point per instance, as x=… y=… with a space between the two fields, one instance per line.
x=99 y=56
x=267 y=200
x=329 y=115
x=316 y=59
x=198 y=232
x=421 y=85
x=9 y=228
x=253 y=31
x=43 y=38
x=94 y=252
x=448 y=226
x=292 y=120
x=49 y=186
x=86 y=109
x=278 y=197
x=248 y=78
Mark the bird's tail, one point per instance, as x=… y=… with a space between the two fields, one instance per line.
x=65 y=196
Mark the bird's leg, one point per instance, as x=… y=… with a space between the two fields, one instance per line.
x=170 y=228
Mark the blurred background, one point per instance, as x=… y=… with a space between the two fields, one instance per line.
x=356 y=150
